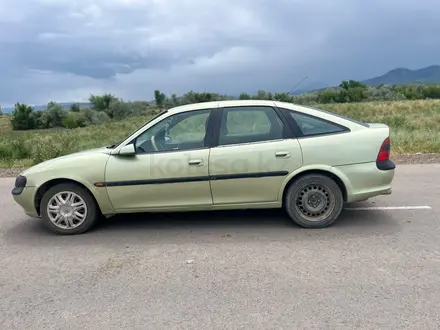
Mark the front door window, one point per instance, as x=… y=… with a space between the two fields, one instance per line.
x=182 y=131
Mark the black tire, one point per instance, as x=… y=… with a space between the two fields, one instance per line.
x=314 y=190
x=92 y=216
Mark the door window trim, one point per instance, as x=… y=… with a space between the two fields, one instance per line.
x=288 y=132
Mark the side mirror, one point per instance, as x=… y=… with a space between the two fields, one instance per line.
x=128 y=150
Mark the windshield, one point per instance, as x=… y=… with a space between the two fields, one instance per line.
x=149 y=121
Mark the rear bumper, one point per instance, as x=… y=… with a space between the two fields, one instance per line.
x=366 y=180
x=25 y=199
x=365 y=195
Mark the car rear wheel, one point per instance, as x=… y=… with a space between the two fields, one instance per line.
x=68 y=209
x=314 y=201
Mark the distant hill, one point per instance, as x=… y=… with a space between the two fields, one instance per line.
x=306 y=87
x=65 y=105
x=399 y=76
x=402 y=76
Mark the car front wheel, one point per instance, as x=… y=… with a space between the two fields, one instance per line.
x=314 y=201
x=68 y=209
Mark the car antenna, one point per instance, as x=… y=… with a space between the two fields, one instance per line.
x=295 y=87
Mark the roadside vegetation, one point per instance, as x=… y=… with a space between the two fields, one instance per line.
x=28 y=137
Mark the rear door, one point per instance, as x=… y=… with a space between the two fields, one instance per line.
x=253 y=153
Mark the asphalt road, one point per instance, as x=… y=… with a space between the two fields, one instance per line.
x=374 y=269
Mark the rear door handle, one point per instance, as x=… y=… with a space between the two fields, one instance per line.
x=282 y=154
x=196 y=162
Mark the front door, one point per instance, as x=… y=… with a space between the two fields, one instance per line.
x=253 y=157
x=169 y=170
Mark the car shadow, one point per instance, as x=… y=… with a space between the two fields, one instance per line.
x=209 y=226
x=248 y=219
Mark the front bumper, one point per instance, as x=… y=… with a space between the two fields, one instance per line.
x=26 y=201
x=25 y=196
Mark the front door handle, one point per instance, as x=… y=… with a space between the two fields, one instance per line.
x=196 y=162
x=282 y=154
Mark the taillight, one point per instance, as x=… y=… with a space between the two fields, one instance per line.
x=384 y=153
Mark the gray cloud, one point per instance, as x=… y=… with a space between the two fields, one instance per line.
x=64 y=50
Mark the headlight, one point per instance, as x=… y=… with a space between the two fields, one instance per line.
x=20 y=181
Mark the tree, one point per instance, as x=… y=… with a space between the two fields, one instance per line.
x=102 y=102
x=328 y=96
x=281 y=96
x=40 y=119
x=350 y=84
x=431 y=92
x=174 y=100
x=22 y=117
x=352 y=91
x=262 y=95
x=74 y=107
x=55 y=114
x=159 y=98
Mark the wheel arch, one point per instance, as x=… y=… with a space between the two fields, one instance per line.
x=323 y=171
x=43 y=188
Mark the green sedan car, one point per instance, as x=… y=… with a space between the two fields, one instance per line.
x=223 y=155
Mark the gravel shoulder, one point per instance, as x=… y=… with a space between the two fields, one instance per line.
x=420 y=158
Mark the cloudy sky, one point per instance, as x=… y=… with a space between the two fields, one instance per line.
x=64 y=50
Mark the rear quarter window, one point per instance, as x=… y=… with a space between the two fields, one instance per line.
x=338 y=115
x=310 y=126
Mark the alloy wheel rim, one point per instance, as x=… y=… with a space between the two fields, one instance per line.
x=315 y=202
x=67 y=210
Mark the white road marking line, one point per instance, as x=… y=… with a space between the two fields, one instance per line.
x=424 y=207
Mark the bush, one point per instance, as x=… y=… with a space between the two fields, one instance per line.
x=75 y=119
x=384 y=93
x=7 y=153
x=21 y=148
x=49 y=147
x=93 y=117
x=14 y=149
x=119 y=109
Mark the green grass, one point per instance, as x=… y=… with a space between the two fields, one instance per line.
x=26 y=148
x=415 y=127
x=414 y=124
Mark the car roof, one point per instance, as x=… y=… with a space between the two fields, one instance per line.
x=241 y=103
x=286 y=105
x=218 y=104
